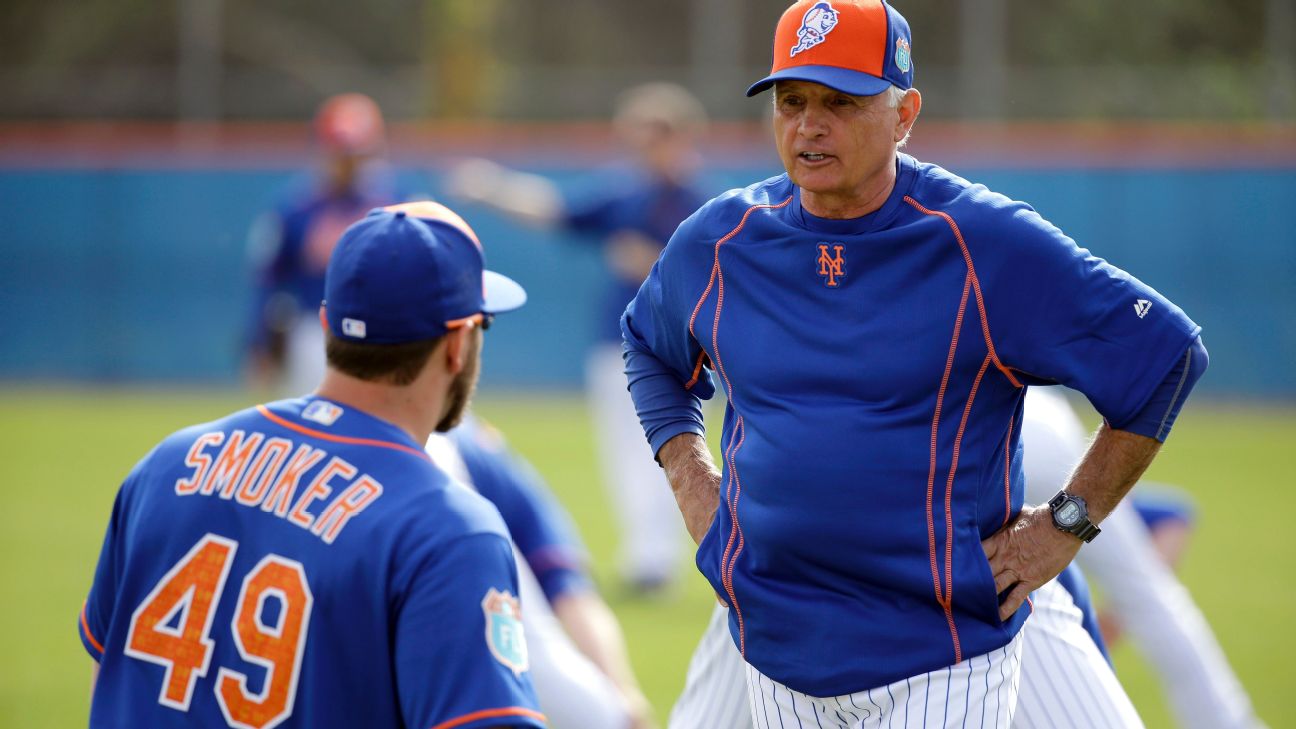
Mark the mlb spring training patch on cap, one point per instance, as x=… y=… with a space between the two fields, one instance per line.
x=861 y=47
x=411 y=272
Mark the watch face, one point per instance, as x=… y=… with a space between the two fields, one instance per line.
x=1068 y=514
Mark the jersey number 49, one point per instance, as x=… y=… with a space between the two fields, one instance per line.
x=191 y=590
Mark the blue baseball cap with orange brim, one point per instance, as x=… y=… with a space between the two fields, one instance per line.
x=411 y=272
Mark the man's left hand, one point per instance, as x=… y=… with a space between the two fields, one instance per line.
x=1027 y=553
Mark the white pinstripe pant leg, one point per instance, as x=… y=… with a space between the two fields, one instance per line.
x=980 y=693
x=715 y=693
x=1066 y=683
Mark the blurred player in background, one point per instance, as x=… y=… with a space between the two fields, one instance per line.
x=579 y=663
x=290 y=246
x=1155 y=609
x=303 y=563
x=632 y=218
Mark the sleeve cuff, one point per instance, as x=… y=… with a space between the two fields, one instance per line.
x=92 y=645
x=665 y=432
x=1158 y=415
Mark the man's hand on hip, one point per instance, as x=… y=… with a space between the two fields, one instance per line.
x=1027 y=553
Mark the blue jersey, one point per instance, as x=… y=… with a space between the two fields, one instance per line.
x=542 y=531
x=875 y=370
x=303 y=564
x=639 y=204
x=292 y=245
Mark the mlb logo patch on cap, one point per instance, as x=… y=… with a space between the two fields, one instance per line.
x=353 y=328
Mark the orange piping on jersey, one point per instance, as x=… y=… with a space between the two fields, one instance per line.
x=85 y=626
x=491 y=714
x=339 y=438
x=931 y=469
x=715 y=267
x=727 y=562
x=1008 y=469
x=976 y=285
x=697 y=370
x=949 y=512
x=727 y=569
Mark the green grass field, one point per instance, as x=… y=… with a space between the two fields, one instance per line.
x=70 y=448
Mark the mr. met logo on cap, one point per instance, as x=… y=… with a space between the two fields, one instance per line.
x=817 y=23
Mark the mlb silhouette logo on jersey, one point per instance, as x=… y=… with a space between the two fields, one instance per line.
x=816 y=24
x=830 y=267
x=322 y=412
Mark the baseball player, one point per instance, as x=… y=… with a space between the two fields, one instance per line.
x=631 y=217
x=579 y=664
x=874 y=322
x=290 y=246
x=303 y=563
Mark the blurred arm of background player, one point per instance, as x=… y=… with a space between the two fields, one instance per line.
x=547 y=541
x=1154 y=607
x=657 y=123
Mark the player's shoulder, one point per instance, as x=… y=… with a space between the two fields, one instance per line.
x=982 y=216
x=723 y=213
x=183 y=439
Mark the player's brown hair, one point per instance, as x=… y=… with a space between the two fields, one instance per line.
x=393 y=364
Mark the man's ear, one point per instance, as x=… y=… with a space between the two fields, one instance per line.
x=910 y=105
x=457 y=348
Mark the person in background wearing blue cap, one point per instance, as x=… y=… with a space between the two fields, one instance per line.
x=874 y=322
x=303 y=563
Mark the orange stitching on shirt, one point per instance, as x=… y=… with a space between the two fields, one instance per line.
x=697 y=371
x=735 y=532
x=338 y=438
x=491 y=714
x=931 y=468
x=86 y=627
x=727 y=564
x=976 y=285
x=715 y=267
x=1008 y=469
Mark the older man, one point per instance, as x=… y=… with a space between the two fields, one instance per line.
x=874 y=322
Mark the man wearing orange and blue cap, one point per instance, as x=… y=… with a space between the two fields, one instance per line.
x=874 y=322
x=304 y=563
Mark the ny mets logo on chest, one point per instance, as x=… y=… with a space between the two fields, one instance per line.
x=830 y=267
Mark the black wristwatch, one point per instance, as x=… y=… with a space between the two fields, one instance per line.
x=1071 y=515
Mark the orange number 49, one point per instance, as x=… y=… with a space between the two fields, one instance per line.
x=188 y=594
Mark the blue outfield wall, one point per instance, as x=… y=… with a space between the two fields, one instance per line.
x=122 y=275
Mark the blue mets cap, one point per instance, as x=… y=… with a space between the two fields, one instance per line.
x=860 y=47
x=410 y=272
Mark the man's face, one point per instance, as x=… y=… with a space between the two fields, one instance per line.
x=831 y=143
x=464 y=384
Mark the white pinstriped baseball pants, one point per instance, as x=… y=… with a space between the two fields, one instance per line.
x=979 y=692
